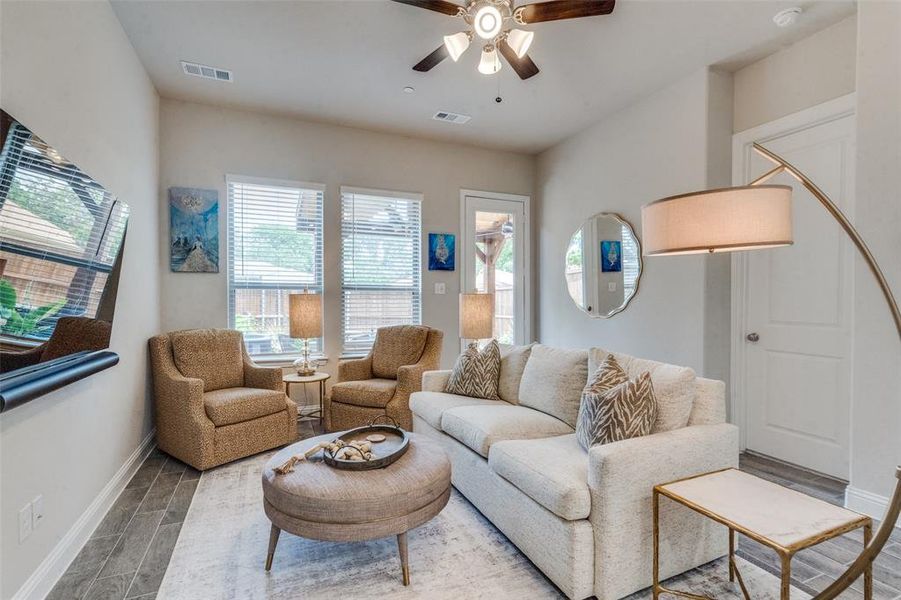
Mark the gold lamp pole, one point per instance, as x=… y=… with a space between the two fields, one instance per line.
x=752 y=217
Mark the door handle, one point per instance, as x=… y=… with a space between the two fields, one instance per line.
x=753 y=337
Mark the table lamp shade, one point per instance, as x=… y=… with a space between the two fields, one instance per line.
x=305 y=316
x=476 y=316
x=724 y=220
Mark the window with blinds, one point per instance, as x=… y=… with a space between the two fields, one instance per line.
x=380 y=264
x=631 y=262
x=275 y=249
x=60 y=234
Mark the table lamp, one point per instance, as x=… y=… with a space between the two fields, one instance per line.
x=753 y=217
x=305 y=322
x=476 y=316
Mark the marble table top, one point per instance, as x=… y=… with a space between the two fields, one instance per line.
x=785 y=517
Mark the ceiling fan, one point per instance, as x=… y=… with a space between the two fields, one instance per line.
x=494 y=22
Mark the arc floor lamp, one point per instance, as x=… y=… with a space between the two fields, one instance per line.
x=752 y=217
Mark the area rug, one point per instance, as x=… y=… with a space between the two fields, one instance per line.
x=459 y=554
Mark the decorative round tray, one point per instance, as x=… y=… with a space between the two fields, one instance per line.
x=396 y=443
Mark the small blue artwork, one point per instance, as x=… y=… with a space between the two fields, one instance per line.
x=193 y=230
x=611 y=256
x=441 y=252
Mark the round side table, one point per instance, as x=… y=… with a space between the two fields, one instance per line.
x=318 y=377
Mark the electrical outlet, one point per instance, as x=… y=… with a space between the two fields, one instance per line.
x=25 y=522
x=611 y=286
x=440 y=288
x=37 y=512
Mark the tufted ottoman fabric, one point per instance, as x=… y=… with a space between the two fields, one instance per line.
x=320 y=502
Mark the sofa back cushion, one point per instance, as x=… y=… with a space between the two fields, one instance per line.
x=513 y=363
x=395 y=347
x=553 y=380
x=213 y=355
x=674 y=386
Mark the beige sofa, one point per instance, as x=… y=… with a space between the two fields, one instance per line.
x=583 y=518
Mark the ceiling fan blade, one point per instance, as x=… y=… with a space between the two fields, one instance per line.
x=563 y=9
x=442 y=6
x=427 y=63
x=524 y=66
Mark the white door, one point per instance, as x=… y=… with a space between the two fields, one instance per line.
x=797 y=318
x=494 y=258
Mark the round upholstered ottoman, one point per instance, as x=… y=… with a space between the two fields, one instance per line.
x=320 y=502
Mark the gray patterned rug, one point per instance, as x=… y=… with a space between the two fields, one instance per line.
x=459 y=554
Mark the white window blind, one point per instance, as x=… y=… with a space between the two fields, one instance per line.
x=631 y=260
x=275 y=249
x=60 y=234
x=380 y=264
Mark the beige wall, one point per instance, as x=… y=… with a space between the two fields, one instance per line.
x=201 y=144
x=87 y=95
x=655 y=148
x=809 y=72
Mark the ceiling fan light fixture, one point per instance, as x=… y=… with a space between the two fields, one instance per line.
x=519 y=41
x=490 y=63
x=487 y=21
x=457 y=44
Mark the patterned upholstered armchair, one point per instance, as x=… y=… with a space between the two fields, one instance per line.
x=213 y=404
x=382 y=382
x=71 y=335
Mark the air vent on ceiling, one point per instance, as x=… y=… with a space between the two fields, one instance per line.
x=449 y=117
x=206 y=72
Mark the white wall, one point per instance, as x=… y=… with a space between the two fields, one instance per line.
x=655 y=148
x=88 y=96
x=876 y=401
x=200 y=144
x=811 y=71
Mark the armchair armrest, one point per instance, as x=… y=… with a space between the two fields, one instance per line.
x=435 y=381
x=355 y=369
x=264 y=378
x=16 y=360
x=409 y=378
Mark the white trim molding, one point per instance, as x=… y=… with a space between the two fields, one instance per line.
x=868 y=503
x=42 y=580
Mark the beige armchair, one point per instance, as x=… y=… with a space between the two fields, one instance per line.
x=382 y=382
x=213 y=404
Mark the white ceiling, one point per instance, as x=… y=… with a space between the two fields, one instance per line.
x=347 y=61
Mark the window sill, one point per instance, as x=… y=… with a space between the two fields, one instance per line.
x=287 y=360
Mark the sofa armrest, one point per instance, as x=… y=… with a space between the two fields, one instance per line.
x=621 y=479
x=435 y=381
x=355 y=369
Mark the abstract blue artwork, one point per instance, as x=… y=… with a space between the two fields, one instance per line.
x=611 y=256
x=193 y=230
x=441 y=252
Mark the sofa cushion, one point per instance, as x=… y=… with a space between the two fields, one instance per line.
x=476 y=372
x=375 y=393
x=513 y=362
x=480 y=426
x=238 y=404
x=397 y=346
x=553 y=472
x=213 y=355
x=674 y=386
x=553 y=380
x=429 y=406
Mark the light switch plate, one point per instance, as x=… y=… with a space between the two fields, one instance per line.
x=37 y=511
x=440 y=288
x=25 y=524
x=611 y=286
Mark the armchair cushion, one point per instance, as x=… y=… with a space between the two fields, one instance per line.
x=481 y=426
x=395 y=347
x=213 y=355
x=77 y=334
x=228 y=406
x=375 y=393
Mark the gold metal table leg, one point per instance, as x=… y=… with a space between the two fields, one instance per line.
x=731 y=554
x=868 y=574
x=785 y=592
x=656 y=545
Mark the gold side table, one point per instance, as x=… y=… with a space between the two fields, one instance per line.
x=782 y=519
x=318 y=377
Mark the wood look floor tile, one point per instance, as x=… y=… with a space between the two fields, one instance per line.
x=109 y=588
x=93 y=554
x=129 y=551
x=180 y=502
x=148 y=471
x=153 y=567
x=72 y=586
x=160 y=492
x=124 y=508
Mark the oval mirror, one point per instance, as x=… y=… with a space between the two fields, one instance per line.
x=603 y=265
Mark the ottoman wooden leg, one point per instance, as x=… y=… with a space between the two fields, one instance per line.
x=402 y=550
x=273 y=541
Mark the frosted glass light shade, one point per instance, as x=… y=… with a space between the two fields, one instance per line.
x=724 y=220
x=457 y=44
x=305 y=316
x=519 y=41
x=476 y=316
x=490 y=64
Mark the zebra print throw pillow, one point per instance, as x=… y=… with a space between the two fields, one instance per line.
x=625 y=410
x=476 y=372
x=609 y=374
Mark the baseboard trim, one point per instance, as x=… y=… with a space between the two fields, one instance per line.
x=39 y=584
x=868 y=503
